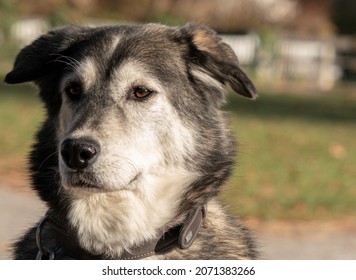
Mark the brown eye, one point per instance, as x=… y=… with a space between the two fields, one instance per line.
x=142 y=92
x=73 y=91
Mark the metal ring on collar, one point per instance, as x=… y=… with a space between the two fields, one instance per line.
x=50 y=255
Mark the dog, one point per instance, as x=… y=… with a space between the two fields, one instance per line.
x=135 y=146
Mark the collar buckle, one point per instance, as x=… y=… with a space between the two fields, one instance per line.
x=191 y=227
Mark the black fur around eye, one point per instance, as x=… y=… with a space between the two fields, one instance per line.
x=141 y=92
x=73 y=91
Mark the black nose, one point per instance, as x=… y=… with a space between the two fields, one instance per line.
x=79 y=153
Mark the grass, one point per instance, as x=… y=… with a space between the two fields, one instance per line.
x=297 y=157
x=20 y=115
x=297 y=154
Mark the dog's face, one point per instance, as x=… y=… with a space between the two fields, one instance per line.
x=118 y=128
x=131 y=103
x=134 y=126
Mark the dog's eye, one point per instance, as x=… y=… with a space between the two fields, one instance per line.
x=73 y=91
x=142 y=92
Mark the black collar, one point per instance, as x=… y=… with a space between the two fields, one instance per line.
x=67 y=247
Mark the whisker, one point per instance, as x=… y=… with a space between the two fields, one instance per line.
x=70 y=61
x=43 y=162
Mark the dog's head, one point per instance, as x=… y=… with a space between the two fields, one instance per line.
x=134 y=134
x=134 y=107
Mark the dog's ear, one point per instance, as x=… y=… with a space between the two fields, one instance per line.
x=208 y=51
x=37 y=59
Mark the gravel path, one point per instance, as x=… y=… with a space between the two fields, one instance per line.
x=334 y=240
x=277 y=240
x=18 y=211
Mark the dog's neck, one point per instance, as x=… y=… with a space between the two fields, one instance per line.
x=112 y=223
x=109 y=224
x=67 y=245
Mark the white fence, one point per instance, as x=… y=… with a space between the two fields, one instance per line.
x=245 y=46
x=311 y=61
x=27 y=30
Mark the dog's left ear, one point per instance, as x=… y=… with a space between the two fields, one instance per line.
x=208 y=51
x=38 y=59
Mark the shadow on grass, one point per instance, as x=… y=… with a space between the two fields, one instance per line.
x=329 y=108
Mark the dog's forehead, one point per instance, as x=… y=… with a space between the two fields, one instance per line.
x=148 y=46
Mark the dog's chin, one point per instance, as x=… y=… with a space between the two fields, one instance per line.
x=92 y=185
x=86 y=187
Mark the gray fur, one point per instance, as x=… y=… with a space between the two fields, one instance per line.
x=167 y=153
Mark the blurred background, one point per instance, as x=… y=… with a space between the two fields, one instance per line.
x=294 y=183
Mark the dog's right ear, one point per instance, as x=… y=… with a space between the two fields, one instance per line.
x=208 y=51
x=37 y=59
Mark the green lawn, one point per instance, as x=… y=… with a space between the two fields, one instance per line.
x=20 y=115
x=297 y=154
x=297 y=157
